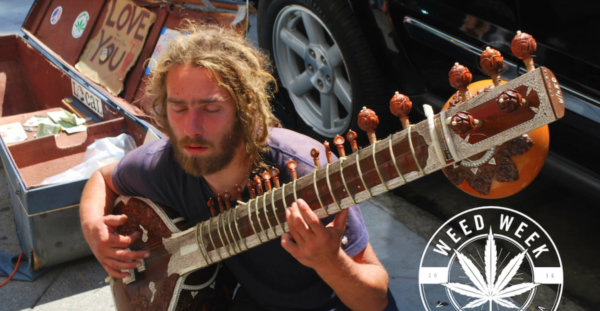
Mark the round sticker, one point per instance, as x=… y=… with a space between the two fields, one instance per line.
x=104 y=54
x=56 y=14
x=80 y=23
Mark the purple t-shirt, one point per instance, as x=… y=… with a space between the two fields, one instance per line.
x=269 y=274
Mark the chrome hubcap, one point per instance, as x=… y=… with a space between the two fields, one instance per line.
x=311 y=67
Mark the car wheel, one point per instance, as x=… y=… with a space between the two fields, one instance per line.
x=324 y=62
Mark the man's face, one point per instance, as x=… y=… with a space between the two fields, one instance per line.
x=202 y=121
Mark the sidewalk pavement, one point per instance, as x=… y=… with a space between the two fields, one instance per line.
x=12 y=15
x=79 y=285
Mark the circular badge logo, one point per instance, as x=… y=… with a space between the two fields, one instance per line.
x=56 y=14
x=79 y=24
x=491 y=258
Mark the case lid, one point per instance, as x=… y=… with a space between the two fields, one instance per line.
x=66 y=31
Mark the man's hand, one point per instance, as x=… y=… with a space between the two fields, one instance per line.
x=360 y=282
x=99 y=225
x=309 y=241
x=109 y=247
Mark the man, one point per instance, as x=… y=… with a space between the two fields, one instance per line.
x=210 y=94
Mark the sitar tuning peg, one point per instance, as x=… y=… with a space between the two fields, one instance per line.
x=523 y=45
x=211 y=206
x=275 y=176
x=491 y=64
x=352 y=139
x=221 y=204
x=509 y=100
x=266 y=176
x=400 y=106
x=291 y=166
x=258 y=185
x=238 y=192
x=460 y=77
x=249 y=186
x=227 y=198
x=314 y=153
x=368 y=121
x=338 y=141
x=462 y=123
x=328 y=152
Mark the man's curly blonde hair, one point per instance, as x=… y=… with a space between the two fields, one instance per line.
x=244 y=72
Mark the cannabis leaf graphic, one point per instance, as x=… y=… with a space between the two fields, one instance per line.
x=79 y=25
x=494 y=290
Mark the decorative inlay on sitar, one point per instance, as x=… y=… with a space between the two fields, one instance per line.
x=418 y=150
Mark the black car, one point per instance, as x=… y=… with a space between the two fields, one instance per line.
x=332 y=57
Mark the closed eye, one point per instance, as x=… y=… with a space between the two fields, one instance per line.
x=178 y=109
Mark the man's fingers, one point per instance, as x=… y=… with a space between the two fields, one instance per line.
x=121 y=241
x=293 y=224
x=115 y=220
x=339 y=222
x=288 y=243
x=302 y=228
x=120 y=265
x=310 y=217
x=115 y=273
x=125 y=255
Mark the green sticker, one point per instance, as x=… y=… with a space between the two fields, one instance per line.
x=79 y=24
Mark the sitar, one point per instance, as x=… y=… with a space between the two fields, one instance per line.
x=182 y=270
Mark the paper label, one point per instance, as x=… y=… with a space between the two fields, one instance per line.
x=121 y=40
x=13 y=132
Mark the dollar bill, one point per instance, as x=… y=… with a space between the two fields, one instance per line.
x=69 y=120
x=37 y=119
x=46 y=129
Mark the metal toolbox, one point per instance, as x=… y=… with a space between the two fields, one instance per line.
x=40 y=72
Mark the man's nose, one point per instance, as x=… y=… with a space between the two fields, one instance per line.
x=193 y=126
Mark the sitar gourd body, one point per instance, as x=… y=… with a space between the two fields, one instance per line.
x=151 y=287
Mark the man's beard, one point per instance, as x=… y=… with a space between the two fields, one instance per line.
x=200 y=165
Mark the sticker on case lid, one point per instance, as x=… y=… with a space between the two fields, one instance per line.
x=56 y=14
x=79 y=24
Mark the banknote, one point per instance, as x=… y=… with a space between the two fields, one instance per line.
x=37 y=119
x=45 y=129
x=65 y=117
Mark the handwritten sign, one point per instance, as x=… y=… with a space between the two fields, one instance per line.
x=115 y=49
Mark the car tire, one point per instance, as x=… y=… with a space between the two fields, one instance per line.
x=325 y=65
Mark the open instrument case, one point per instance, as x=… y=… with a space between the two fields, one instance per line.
x=38 y=74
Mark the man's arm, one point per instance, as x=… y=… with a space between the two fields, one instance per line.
x=360 y=282
x=99 y=225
